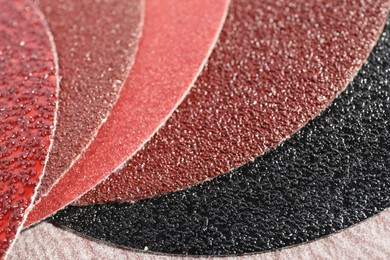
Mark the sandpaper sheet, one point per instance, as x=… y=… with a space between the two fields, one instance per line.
x=28 y=94
x=96 y=43
x=276 y=65
x=330 y=175
x=367 y=240
x=176 y=42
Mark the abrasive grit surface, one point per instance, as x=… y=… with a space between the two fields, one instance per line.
x=330 y=175
x=366 y=240
x=276 y=65
x=28 y=88
x=96 y=43
x=176 y=42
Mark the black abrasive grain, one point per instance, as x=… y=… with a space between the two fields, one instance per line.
x=333 y=173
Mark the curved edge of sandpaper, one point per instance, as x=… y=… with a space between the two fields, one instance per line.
x=384 y=11
x=51 y=138
x=359 y=240
x=96 y=131
x=202 y=65
x=204 y=62
x=321 y=110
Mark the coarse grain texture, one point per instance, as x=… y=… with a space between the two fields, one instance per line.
x=96 y=43
x=28 y=87
x=177 y=39
x=330 y=175
x=369 y=239
x=276 y=65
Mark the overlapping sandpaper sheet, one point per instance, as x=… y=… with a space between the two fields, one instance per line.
x=368 y=240
x=96 y=43
x=277 y=64
x=328 y=176
x=28 y=94
x=176 y=42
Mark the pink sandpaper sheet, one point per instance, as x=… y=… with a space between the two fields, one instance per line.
x=177 y=39
x=28 y=100
x=276 y=66
x=96 y=43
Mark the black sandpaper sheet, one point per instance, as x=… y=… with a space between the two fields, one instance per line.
x=330 y=175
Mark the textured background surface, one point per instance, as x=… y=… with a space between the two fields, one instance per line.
x=331 y=174
x=28 y=86
x=177 y=37
x=367 y=240
x=276 y=65
x=96 y=43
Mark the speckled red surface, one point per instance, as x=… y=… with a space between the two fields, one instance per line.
x=28 y=85
x=96 y=43
x=277 y=65
x=177 y=38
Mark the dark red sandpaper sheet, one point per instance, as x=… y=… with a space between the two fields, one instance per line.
x=276 y=65
x=177 y=39
x=28 y=86
x=96 y=43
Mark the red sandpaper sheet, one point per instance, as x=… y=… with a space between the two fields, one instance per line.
x=276 y=65
x=96 y=43
x=28 y=94
x=177 y=39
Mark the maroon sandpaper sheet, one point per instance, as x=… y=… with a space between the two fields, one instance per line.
x=177 y=39
x=96 y=43
x=265 y=79
x=28 y=94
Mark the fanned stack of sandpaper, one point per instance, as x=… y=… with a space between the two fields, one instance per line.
x=203 y=128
